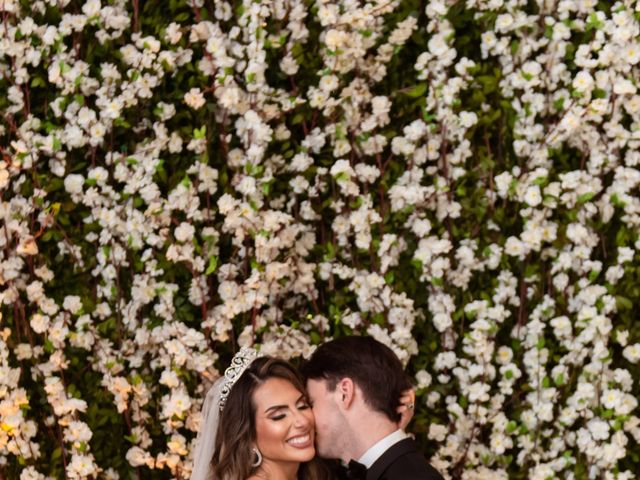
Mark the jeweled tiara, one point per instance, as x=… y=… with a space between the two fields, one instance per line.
x=239 y=364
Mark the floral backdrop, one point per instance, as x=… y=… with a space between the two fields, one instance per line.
x=456 y=178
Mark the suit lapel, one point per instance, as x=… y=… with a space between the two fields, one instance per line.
x=387 y=458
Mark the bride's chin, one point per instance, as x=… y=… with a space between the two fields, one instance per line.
x=312 y=453
x=306 y=454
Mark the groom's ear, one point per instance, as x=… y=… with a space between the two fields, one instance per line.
x=345 y=392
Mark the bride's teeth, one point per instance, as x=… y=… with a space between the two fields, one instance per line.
x=299 y=440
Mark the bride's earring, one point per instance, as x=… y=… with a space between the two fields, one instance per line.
x=257 y=457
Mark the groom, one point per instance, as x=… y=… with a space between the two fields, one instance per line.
x=354 y=384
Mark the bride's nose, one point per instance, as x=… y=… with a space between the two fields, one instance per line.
x=301 y=420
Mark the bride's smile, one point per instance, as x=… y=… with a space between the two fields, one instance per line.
x=284 y=422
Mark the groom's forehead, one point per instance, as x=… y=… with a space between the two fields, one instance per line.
x=316 y=386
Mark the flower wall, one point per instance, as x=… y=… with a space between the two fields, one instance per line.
x=458 y=179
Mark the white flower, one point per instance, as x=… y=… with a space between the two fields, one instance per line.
x=500 y=443
x=438 y=432
x=479 y=392
x=247 y=185
x=335 y=39
x=169 y=378
x=632 y=353
x=137 y=457
x=328 y=14
x=423 y=379
x=194 y=98
x=415 y=130
x=625 y=254
x=583 y=81
x=72 y=303
x=468 y=119
x=504 y=355
x=328 y=83
x=173 y=33
x=91 y=8
x=442 y=321
x=289 y=65
x=176 y=404
x=112 y=109
x=599 y=429
x=533 y=196
x=73 y=183
x=342 y=167
x=184 y=232
x=503 y=182
x=612 y=399
x=228 y=290
x=27 y=246
x=30 y=473
x=39 y=323
x=438 y=45
x=623 y=86
x=81 y=466
x=77 y=432
x=504 y=22
x=514 y=247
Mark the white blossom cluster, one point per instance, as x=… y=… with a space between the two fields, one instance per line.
x=458 y=180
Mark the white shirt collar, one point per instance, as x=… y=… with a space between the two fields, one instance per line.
x=376 y=451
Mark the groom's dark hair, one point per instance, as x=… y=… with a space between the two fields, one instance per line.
x=370 y=364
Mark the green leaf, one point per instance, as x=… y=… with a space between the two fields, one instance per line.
x=585 y=197
x=213 y=264
x=200 y=133
x=623 y=303
x=389 y=277
x=341 y=177
x=330 y=253
x=599 y=93
x=416 y=90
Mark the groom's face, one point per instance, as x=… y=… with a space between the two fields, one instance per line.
x=327 y=415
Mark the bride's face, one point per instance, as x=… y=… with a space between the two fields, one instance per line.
x=284 y=422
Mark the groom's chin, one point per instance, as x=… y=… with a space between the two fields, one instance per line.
x=324 y=452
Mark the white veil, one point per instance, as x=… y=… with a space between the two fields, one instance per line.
x=211 y=408
x=206 y=440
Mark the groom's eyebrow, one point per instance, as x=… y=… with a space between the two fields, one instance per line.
x=278 y=407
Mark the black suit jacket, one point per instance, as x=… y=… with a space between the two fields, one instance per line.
x=402 y=461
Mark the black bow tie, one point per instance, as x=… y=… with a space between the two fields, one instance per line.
x=356 y=471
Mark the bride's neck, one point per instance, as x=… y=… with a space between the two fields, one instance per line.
x=278 y=471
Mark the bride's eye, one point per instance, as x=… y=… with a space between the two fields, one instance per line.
x=304 y=406
x=279 y=416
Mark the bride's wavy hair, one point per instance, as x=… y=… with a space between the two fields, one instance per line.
x=236 y=433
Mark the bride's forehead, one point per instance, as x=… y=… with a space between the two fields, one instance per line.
x=276 y=389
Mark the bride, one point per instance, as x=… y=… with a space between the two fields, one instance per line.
x=257 y=424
